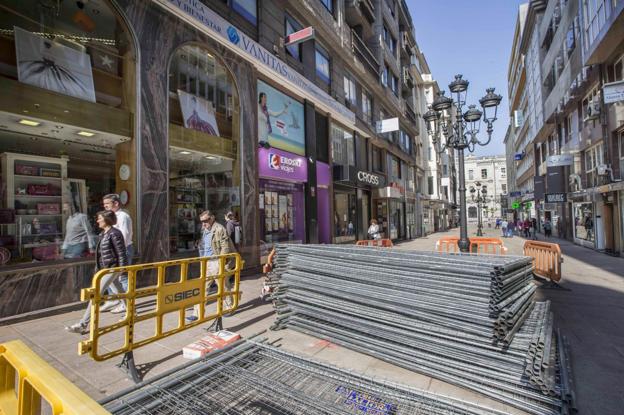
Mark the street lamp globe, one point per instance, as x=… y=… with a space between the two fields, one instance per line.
x=441 y=102
x=460 y=87
x=490 y=103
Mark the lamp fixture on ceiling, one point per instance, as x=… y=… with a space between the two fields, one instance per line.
x=85 y=133
x=186 y=153
x=29 y=123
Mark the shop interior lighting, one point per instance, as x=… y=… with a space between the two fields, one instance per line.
x=186 y=153
x=29 y=123
x=211 y=157
x=85 y=133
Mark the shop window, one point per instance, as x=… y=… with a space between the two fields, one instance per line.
x=349 y=91
x=204 y=171
x=343 y=147
x=67 y=139
x=293 y=26
x=615 y=72
x=282 y=213
x=344 y=216
x=322 y=64
x=246 y=8
x=584 y=221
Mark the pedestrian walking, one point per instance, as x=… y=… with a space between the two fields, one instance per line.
x=112 y=202
x=510 y=229
x=214 y=241
x=547 y=228
x=373 y=230
x=110 y=252
x=232 y=225
x=527 y=228
x=589 y=227
x=504 y=225
x=498 y=223
x=534 y=226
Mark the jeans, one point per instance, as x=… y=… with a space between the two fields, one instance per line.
x=124 y=277
x=109 y=280
x=76 y=250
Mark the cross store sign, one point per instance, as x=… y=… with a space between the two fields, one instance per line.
x=555 y=198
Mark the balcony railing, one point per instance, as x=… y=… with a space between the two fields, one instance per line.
x=364 y=54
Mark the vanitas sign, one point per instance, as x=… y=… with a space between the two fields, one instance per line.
x=370 y=179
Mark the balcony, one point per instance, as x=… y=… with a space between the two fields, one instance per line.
x=358 y=11
x=406 y=46
x=407 y=79
x=364 y=54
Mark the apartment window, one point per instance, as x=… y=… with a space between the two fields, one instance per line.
x=389 y=40
x=592 y=96
x=444 y=170
x=504 y=188
x=430 y=185
x=395 y=170
x=594 y=157
x=246 y=8
x=322 y=64
x=568 y=135
x=377 y=159
x=445 y=192
x=394 y=84
x=385 y=76
x=329 y=5
x=367 y=107
x=570 y=40
x=430 y=153
x=292 y=26
x=349 y=90
x=503 y=171
x=484 y=173
x=470 y=175
x=615 y=72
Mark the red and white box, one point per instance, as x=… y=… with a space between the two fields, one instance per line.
x=208 y=344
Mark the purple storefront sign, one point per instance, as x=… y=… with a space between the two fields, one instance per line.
x=282 y=165
x=323 y=180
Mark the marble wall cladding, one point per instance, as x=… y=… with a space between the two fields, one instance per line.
x=27 y=289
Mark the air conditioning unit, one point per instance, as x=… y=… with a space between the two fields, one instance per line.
x=592 y=111
x=602 y=169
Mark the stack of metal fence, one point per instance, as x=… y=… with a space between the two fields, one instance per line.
x=468 y=320
x=252 y=377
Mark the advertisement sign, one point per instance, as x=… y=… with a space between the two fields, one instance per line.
x=51 y=65
x=560 y=160
x=198 y=113
x=280 y=120
x=370 y=179
x=613 y=92
x=278 y=164
x=388 y=125
x=198 y=14
x=555 y=198
x=299 y=36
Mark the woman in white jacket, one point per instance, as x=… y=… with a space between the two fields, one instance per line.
x=373 y=230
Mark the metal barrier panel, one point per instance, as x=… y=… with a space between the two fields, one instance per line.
x=26 y=380
x=387 y=243
x=547 y=259
x=163 y=306
x=478 y=245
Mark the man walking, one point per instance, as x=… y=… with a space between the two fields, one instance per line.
x=112 y=202
x=214 y=241
x=504 y=224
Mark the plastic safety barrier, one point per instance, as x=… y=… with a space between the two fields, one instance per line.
x=164 y=306
x=478 y=245
x=547 y=259
x=387 y=243
x=26 y=380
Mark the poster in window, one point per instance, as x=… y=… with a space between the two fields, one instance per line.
x=49 y=64
x=198 y=113
x=268 y=224
x=283 y=212
x=280 y=120
x=275 y=224
x=261 y=201
x=291 y=225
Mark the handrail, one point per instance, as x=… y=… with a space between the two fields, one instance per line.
x=26 y=380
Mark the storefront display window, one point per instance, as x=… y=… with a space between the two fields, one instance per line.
x=66 y=136
x=282 y=212
x=204 y=172
x=584 y=221
x=345 y=218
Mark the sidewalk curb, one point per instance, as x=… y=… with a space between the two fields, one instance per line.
x=44 y=312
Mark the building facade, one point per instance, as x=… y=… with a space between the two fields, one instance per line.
x=181 y=107
x=489 y=173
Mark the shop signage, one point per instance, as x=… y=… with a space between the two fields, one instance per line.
x=299 y=36
x=197 y=13
x=388 y=192
x=515 y=205
x=370 y=179
x=613 y=92
x=278 y=164
x=518 y=156
x=555 y=198
x=560 y=160
x=387 y=125
x=517 y=193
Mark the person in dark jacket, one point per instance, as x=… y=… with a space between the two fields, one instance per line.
x=232 y=226
x=110 y=252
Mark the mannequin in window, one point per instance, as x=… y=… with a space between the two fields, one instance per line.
x=79 y=237
x=264 y=119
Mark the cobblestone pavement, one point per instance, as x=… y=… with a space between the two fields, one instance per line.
x=588 y=306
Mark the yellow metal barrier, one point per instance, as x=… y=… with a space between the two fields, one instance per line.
x=161 y=303
x=26 y=380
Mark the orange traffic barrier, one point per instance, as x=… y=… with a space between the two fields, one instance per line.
x=547 y=259
x=375 y=242
x=478 y=245
x=266 y=268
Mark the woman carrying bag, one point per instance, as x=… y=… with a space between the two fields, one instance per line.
x=110 y=252
x=373 y=230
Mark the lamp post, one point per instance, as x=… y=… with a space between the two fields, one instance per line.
x=461 y=133
x=480 y=199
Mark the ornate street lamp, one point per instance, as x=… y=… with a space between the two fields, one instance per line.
x=479 y=196
x=451 y=127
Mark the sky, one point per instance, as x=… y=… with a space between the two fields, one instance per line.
x=472 y=38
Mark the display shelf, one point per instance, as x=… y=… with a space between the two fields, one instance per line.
x=38 y=197
x=38 y=178
x=37 y=245
x=42 y=234
x=42 y=215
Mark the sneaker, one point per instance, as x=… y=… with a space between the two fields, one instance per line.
x=121 y=308
x=108 y=306
x=77 y=328
x=191 y=318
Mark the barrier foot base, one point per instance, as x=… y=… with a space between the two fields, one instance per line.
x=128 y=366
x=216 y=326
